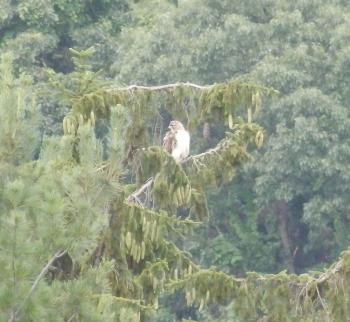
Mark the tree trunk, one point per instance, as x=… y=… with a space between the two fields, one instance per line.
x=282 y=213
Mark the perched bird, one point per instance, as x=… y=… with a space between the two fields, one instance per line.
x=177 y=141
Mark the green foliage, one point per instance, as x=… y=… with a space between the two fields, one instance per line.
x=40 y=32
x=216 y=166
x=75 y=187
x=278 y=297
x=286 y=208
x=49 y=205
x=18 y=115
x=316 y=173
x=296 y=48
x=241 y=239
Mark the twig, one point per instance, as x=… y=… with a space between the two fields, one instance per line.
x=102 y=167
x=71 y=318
x=322 y=302
x=59 y=254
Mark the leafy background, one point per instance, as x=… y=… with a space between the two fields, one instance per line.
x=288 y=208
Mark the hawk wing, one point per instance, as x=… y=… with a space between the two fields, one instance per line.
x=169 y=141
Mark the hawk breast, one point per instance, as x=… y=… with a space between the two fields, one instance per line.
x=181 y=148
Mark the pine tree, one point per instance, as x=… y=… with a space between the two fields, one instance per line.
x=144 y=229
x=91 y=230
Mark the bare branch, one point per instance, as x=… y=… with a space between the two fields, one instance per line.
x=202 y=155
x=71 y=318
x=161 y=87
x=14 y=316
x=135 y=196
x=173 y=86
x=330 y=272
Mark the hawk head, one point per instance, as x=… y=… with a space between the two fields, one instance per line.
x=175 y=126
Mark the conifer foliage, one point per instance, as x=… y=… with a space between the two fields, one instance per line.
x=90 y=229
x=75 y=237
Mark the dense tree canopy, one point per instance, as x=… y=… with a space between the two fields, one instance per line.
x=79 y=141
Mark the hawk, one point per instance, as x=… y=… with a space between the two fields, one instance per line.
x=177 y=141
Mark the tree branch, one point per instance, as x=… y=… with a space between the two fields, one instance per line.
x=202 y=155
x=196 y=159
x=14 y=316
x=186 y=84
x=135 y=196
x=161 y=87
x=71 y=318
